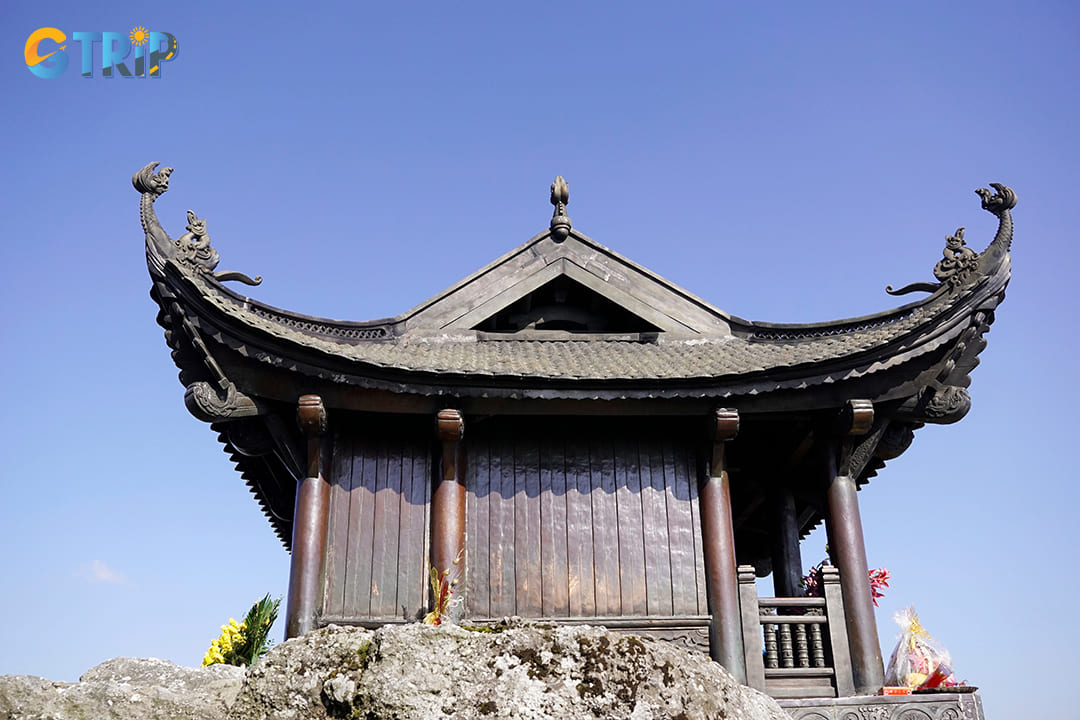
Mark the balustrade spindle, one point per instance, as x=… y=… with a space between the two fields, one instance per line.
x=802 y=655
x=817 y=647
x=787 y=658
x=771 y=658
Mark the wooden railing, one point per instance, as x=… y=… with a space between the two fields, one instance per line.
x=796 y=647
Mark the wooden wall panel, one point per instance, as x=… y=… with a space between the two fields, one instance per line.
x=605 y=529
x=553 y=539
x=597 y=519
x=527 y=524
x=478 y=527
x=579 y=544
x=338 y=531
x=380 y=492
x=632 y=578
x=657 y=542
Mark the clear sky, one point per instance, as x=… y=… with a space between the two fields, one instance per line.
x=784 y=161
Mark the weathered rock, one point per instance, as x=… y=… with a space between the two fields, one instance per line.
x=515 y=670
x=125 y=689
x=519 y=671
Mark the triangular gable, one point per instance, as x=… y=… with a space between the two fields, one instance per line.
x=631 y=289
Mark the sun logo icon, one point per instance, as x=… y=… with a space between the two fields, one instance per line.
x=139 y=36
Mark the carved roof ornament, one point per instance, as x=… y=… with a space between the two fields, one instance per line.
x=959 y=262
x=560 y=221
x=192 y=249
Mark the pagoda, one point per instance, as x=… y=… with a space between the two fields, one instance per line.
x=571 y=437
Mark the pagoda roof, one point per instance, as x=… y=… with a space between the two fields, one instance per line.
x=632 y=333
x=563 y=325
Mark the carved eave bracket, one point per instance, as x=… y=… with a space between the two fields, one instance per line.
x=938 y=404
x=858 y=430
x=192 y=250
x=219 y=402
x=214 y=399
x=960 y=266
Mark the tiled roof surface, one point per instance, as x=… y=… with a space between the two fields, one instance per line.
x=665 y=359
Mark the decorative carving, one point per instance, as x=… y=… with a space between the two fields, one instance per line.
x=947 y=404
x=192 y=249
x=896 y=439
x=249 y=438
x=873 y=712
x=147 y=181
x=998 y=202
x=912 y=707
x=855 y=453
x=311 y=415
x=910 y=713
x=210 y=404
x=560 y=221
x=958 y=260
x=688 y=638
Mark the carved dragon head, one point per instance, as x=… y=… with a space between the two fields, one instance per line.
x=148 y=181
x=997 y=202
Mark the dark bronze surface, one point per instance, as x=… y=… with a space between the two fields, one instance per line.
x=718 y=541
x=849 y=551
x=569 y=526
x=448 y=498
x=309 y=526
x=584 y=496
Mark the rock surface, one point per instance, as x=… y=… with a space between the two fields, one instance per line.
x=125 y=689
x=516 y=670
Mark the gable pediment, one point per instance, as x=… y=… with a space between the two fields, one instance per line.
x=575 y=286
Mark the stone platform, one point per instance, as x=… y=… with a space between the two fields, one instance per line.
x=936 y=706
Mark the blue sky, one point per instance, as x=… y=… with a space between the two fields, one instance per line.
x=784 y=161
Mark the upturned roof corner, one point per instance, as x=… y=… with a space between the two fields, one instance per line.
x=564 y=317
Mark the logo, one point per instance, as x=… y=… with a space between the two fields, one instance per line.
x=45 y=56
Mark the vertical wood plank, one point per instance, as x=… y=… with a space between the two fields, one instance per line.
x=508 y=600
x=412 y=551
x=605 y=528
x=557 y=586
x=423 y=476
x=545 y=499
x=683 y=585
x=498 y=533
x=631 y=530
x=695 y=516
x=361 y=532
x=478 y=548
x=654 y=519
x=380 y=559
x=579 y=524
x=527 y=541
x=337 y=552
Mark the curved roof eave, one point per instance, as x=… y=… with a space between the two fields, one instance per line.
x=746 y=357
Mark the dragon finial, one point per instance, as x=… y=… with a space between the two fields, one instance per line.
x=194 y=245
x=560 y=221
x=148 y=181
x=957 y=260
x=997 y=202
